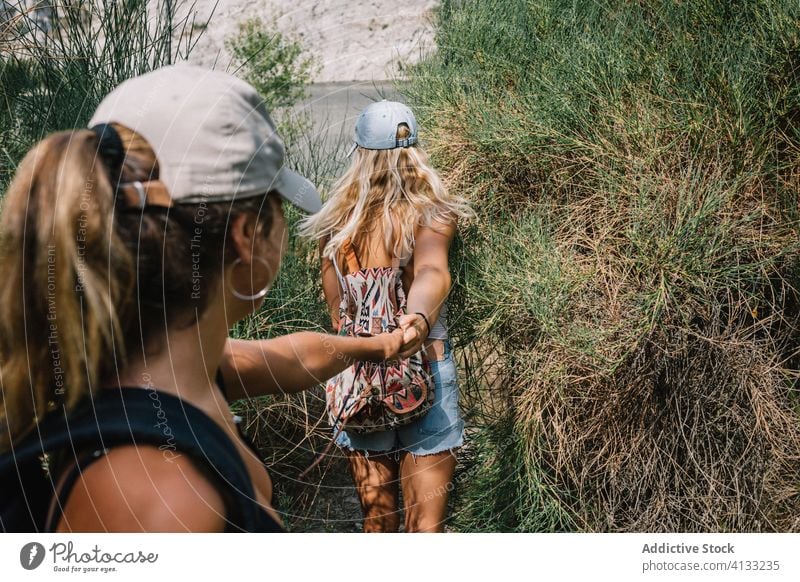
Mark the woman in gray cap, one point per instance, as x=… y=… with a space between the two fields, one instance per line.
x=390 y=209
x=128 y=251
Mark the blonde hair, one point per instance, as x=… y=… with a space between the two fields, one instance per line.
x=388 y=192
x=59 y=316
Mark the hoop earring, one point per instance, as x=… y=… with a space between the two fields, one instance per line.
x=258 y=295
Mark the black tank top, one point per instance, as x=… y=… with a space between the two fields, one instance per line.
x=193 y=432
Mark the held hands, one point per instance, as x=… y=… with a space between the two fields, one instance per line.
x=415 y=332
x=385 y=346
x=403 y=342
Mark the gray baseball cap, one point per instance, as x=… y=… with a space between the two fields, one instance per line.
x=212 y=135
x=376 y=126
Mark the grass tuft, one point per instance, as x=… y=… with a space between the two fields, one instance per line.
x=628 y=298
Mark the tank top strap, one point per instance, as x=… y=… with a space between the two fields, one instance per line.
x=339 y=275
x=354 y=264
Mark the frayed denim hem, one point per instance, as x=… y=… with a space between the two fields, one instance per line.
x=446 y=446
x=397 y=450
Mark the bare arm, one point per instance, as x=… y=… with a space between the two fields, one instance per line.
x=431 y=283
x=330 y=287
x=297 y=361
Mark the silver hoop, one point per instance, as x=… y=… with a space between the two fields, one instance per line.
x=258 y=295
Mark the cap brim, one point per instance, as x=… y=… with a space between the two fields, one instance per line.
x=298 y=190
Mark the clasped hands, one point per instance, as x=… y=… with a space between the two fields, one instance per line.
x=403 y=342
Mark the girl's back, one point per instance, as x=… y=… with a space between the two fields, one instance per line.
x=391 y=206
x=383 y=203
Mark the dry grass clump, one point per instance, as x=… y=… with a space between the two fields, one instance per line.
x=636 y=261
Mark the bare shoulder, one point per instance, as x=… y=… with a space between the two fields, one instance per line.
x=432 y=242
x=140 y=488
x=438 y=228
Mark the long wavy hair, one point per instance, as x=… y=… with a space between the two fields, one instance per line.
x=384 y=194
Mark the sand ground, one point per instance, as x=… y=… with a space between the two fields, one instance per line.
x=352 y=40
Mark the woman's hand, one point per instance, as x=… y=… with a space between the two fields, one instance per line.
x=384 y=346
x=415 y=332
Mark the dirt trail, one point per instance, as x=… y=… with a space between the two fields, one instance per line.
x=351 y=39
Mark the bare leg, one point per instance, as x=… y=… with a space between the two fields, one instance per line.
x=376 y=479
x=427 y=481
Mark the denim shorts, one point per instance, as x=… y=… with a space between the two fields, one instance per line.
x=441 y=429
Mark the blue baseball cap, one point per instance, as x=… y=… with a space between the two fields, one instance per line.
x=376 y=127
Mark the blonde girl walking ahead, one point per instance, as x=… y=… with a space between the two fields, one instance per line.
x=393 y=208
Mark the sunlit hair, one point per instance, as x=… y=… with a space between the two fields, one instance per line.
x=387 y=194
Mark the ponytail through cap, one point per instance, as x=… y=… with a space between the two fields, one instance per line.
x=110 y=149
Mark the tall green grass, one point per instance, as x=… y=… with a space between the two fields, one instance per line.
x=52 y=78
x=628 y=300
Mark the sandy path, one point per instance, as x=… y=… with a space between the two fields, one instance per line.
x=351 y=39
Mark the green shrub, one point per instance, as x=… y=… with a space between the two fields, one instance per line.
x=628 y=299
x=54 y=79
x=277 y=66
x=271 y=61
